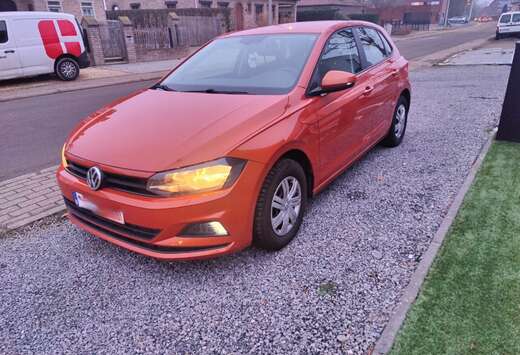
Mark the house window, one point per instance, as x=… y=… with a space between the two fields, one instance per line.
x=135 y=6
x=87 y=9
x=54 y=6
x=205 y=4
x=222 y=4
x=171 y=4
x=259 y=8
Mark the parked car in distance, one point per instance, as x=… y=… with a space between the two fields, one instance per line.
x=35 y=43
x=508 y=24
x=459 y=20
x=226 y=150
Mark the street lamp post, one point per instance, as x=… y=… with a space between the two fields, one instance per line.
x=447 y=13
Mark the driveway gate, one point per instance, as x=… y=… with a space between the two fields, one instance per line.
x=113 y=41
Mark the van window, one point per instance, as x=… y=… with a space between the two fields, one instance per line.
x=3 y=32
x=516 y=18
x=505 y=19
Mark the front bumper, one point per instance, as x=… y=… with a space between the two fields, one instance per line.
x=153 y=224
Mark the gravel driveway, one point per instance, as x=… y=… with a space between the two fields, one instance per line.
x=332 y=290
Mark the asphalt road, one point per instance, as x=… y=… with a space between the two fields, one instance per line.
x=34 y=129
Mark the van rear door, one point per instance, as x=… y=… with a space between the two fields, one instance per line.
x=10 y=66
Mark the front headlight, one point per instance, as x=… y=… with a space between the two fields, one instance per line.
x=210 y=176
x=63 y=159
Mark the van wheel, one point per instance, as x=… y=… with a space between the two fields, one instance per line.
x=67 y=69
x=280 y=206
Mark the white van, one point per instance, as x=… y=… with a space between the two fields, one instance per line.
x=508 y=24
x=34 y=43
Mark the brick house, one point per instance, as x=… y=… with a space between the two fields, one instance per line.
x=412 y=11
x=247 y=13
x=329 y=9
x=78 y=8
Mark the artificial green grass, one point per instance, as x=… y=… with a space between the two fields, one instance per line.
x=470 y=301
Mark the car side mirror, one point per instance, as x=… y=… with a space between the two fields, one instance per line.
x=336 y=80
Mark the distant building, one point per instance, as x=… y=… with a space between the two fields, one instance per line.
x=248 y=14
x=78 y=8
x=497 y=7
x=329 y=9
x=412 y=12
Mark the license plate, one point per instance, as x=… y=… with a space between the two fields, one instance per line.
x=82 y=202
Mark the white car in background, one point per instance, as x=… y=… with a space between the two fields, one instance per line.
x=508 y=24
x=34 y=43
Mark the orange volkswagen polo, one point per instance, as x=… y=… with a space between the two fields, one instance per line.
x=226 y=149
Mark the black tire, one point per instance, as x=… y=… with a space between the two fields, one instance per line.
x=264 y=234
x=67 y=69
x=498 y=36
x=395 y=136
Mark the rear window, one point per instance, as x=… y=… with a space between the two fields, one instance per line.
x=505 y=19
x=3 y=32
x=516 y=18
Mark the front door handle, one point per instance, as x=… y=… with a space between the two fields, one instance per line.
x=368 y=90
x=9 y=51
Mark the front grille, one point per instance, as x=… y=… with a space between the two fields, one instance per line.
x=86 y=218
x=119 y=182
x=125 y=229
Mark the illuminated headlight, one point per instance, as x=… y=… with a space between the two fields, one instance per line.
x=214 y=175
x=63 y=159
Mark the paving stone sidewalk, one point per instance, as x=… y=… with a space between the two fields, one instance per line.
x=28 y=198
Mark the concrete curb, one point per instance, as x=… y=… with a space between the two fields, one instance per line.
x=434 y=59
x=87 y=84
x=385 y=342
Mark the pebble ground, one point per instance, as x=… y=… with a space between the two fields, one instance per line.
x=331 y=291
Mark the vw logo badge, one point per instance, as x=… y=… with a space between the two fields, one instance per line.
x=94 y=178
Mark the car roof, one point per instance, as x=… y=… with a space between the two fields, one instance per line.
x=35 y=14
x=301 y=27
x=510 y=13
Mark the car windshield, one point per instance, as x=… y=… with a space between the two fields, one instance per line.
x=253 y=64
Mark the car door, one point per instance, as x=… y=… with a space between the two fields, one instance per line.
x=379 y=80
x=9 y=61
x=338 y=114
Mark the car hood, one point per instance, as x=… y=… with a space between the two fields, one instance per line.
x=157 y=130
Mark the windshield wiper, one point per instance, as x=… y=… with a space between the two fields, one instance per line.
x=214 y=91
x=162 y=87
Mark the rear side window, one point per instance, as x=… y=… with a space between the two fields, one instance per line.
x=3 y=32
x=516 y=18
x=505 y=19
x=372 y=45
x=388 y=47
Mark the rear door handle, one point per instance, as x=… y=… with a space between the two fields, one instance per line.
x=9 y=51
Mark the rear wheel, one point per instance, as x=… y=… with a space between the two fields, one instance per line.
x=67 y=69
x=398 y=128
x=280 y=206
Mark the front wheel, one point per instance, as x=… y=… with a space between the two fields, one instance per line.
x=398 y=128
x=67 y=69
x=280 y=206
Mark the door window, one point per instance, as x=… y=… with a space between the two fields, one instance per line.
x=516 y=18
x=340 y=53
x=505 y=19
x=373 y=45
x=3 y=32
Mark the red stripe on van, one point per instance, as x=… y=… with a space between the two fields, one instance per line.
x=66 y=28
x=73 y=48
x=50 y=38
